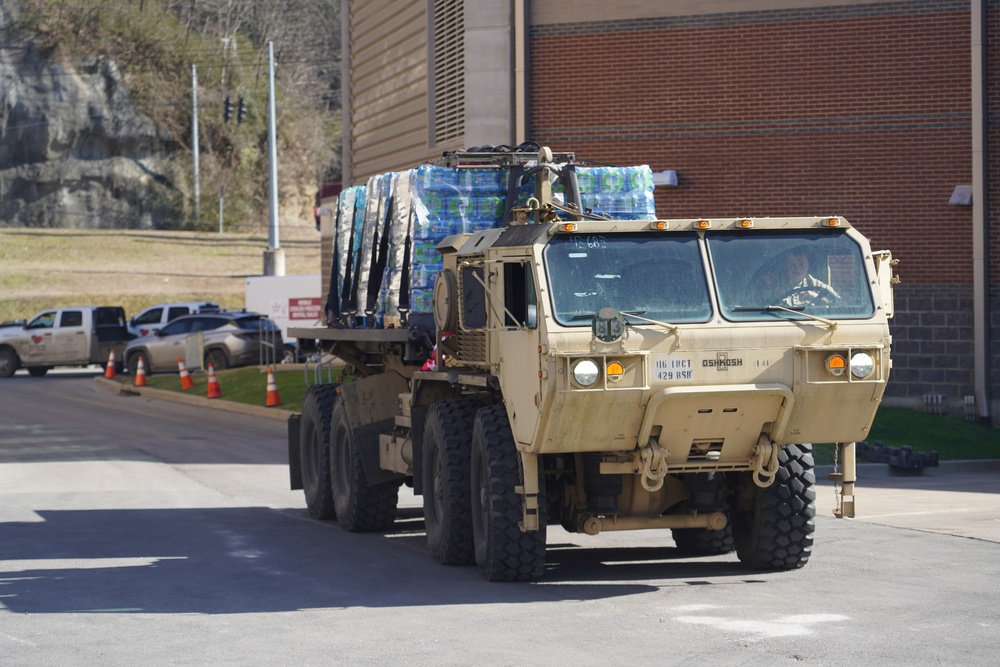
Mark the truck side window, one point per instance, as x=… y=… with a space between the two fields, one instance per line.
x=71 y=318
x=43 y=321
x=519 y=296
x=151 y=316
x=473 y=298
x=176 y=312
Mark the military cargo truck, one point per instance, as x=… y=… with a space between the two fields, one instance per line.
x=532 y=346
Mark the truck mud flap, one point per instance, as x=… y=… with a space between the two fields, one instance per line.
x=294 y=453
x=371 y=404
x=366 y=437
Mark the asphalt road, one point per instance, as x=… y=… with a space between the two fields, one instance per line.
x=137 y=531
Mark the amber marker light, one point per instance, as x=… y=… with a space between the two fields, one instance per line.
x=836 y=364
x=833 y=222
x=703 y=224
x=567 y=227
x=615 y=371
x=659 y=224
x=745 y=224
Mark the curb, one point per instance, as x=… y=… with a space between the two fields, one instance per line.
x=120 y=389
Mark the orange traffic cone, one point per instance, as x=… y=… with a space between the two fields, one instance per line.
x=140 y=374
x=272 y=389
x=109 y=372
x=214 y=391
x=186 y=381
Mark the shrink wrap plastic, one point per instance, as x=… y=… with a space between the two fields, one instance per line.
x=430 y=203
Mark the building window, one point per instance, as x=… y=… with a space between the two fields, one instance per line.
x=448 y=70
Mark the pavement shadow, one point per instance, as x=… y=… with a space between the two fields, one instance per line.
x=255 y=559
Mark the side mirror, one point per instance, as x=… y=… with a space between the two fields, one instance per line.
x=883 y=269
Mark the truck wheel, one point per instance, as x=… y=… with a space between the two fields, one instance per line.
x=9 y=363
x=446 y=461
x=359 y=507
x=777 y=534
x=38 y=371
x=314 y=448
x=503 y=551
x=704 y=542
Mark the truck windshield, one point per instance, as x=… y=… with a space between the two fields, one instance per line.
x=657 y=276
x=772 y=275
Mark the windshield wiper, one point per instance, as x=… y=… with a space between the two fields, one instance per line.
x=590 y=316
x=795 y=310
x=766 y=308
x=672 y=328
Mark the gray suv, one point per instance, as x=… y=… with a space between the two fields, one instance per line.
x=230 y=338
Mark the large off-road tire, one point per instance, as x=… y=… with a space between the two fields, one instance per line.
x=359 y=507
x=777 y=534
x=9 y=363
x=314 y=450
x=503 y=551
x=704 y=542
x=447 y=454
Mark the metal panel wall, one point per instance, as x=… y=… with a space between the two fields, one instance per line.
x=388 y=86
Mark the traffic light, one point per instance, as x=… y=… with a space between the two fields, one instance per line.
x=227 y=110
x=241 y=111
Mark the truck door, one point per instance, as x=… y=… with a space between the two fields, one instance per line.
x=71 y=339
x=37 y=346
x=519 y=353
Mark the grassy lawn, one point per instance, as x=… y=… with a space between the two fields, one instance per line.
x=46 y=268
x=242 y=385
x=953 y=438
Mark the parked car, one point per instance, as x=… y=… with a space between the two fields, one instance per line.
x=230 y=339
x=152 y=319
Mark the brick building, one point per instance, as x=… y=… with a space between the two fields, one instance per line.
x=879 y=111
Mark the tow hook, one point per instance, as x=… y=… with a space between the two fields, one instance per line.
x=765 y=456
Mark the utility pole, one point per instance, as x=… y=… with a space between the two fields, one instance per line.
x=274 y=256
x=194 y=140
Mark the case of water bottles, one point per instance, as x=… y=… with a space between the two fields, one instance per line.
x=418 y=208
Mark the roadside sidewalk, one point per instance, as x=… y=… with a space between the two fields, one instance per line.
x=960 y=498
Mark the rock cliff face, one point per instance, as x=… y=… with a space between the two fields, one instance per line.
x=74 y=152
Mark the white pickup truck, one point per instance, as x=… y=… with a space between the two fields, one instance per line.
x=78 y=336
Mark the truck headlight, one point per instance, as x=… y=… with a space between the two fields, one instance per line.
x=585 y=372
x=862 y=365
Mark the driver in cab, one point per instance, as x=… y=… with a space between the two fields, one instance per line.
x=794 y=287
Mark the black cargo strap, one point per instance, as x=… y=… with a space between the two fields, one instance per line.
x=347 y=300
x=380 y=252
x=404 y=278
x=332 y=307
x=514 y=182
